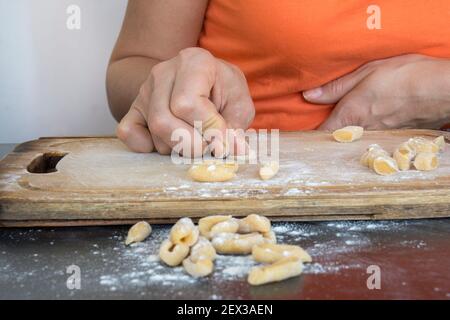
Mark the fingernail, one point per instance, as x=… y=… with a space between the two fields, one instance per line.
x=313 y=94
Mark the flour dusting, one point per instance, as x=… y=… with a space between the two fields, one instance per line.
x=345 y=238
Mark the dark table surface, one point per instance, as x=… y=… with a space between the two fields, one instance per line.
x=413 y=259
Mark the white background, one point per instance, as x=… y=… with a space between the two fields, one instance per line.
x=52 y=79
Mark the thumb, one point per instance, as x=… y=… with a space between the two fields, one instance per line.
x=349 y=111
x=239 y=116
x=133 y=131
x=334 y=90
x=239 y=112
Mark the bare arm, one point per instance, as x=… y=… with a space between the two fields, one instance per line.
x=152 y=31
x=158 y=83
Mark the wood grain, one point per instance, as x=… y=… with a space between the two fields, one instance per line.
x=99 y=182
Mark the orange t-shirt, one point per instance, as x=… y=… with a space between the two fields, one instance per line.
x=287 y=46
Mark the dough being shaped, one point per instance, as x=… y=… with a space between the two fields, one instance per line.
x=213 y=171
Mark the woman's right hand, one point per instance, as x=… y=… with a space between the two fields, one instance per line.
x=193 y=86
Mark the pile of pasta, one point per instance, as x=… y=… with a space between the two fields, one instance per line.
x=418 y=152
x=196 y=247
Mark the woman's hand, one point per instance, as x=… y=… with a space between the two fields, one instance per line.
x=410 y=91
x=193 y=86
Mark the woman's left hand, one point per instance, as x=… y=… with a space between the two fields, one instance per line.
x=409 y=91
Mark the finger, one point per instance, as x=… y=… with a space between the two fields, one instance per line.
x=238 y=144
x=189 y=101
x=133 y=131
x=239 y=110
x=350 y=110
x=162 y=123
x=161 y=146
x=336 y=89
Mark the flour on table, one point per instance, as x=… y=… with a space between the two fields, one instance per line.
x=149 y=270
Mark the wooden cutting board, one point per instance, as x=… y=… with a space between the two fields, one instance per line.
x=92 y=181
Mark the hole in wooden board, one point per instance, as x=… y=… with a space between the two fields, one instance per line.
x=45 y=163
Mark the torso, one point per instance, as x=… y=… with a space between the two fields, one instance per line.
x=287 y=46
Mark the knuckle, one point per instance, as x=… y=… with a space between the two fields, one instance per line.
x=144 y=91
x=182 y=105
x=237 y=71
x=158 y=70
x=335 y=87
x=123 y=131
x=158 y=124
x=194 y=51
x=233 y=71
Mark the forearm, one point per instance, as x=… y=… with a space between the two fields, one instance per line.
x=123 y=80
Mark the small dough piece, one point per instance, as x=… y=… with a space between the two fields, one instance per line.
x=348 y=134
x=420 y=144
x=254 y=223
x=278 y=271
x=213 y=171
x=270 y=237
x=229 y=226
x=270 y=253
x=268 y=170
x=403 y=155
x=200 y=268
x=385 y=165
x=426 y=161
x=440 y=142
x=173 y=254
x=203 y=249
x=233 y=243
x=372 y=152
x=138 y=232
x=184 y=232
x=205 y=224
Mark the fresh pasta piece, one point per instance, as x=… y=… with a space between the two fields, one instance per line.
x=372 y=152
x=440 y=142
x=198 y=269
x=184 y=232
x=173 y=254
x=213 y=171
x=270 y=237
x=283 y=269
x=420 y=144
x=385 y=165
x=233 y=243
x=203 y=249
x=207 y=223
x=138 y=232
x=228 y=226
x=254 y=223
x=426 y=161
x=348 y=134
x=270 y=253
x=403 y=155
x=268 y=170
